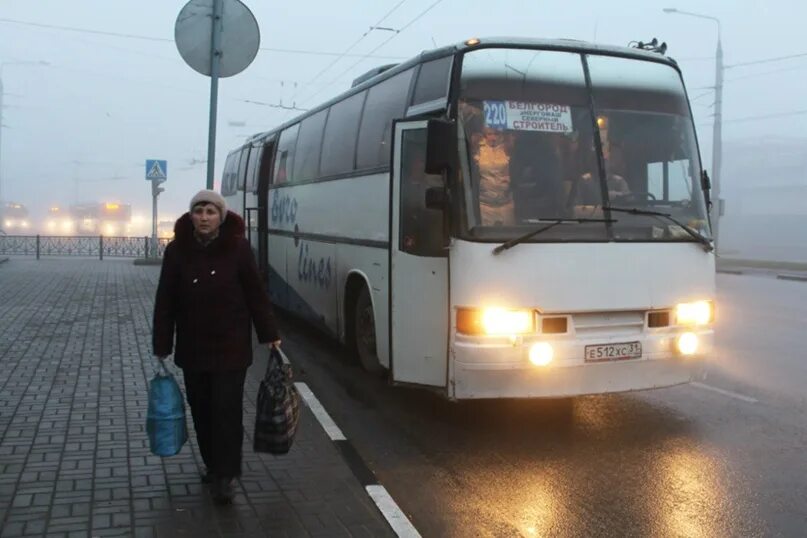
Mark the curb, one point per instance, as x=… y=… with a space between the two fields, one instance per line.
x=797 y=278
x=148 y=261
x=737 y=263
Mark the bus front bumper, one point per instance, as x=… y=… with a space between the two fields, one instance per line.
x=505 y=371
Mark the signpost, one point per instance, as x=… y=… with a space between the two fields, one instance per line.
x=156 y=172
x=217 y=38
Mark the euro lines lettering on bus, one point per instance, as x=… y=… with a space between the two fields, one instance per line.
x=523 y=116
x=284 y=209
x=313 y=270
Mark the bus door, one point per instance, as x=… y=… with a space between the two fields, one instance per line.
x=264 y=174
x=419 y=310
x=240 y=180
x=256 y=188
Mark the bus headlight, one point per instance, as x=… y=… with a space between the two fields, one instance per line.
x=687 y=344
x=495 y=321
x=697 y=313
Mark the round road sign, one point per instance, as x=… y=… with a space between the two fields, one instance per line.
x=240 y=36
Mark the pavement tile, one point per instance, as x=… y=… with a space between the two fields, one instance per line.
x=74 y=456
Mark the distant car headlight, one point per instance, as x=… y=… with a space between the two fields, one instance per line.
x=495 y=321
x=696 y=313
x=9 y=223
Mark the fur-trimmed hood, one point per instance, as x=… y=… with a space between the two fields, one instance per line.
x=207 y=296
x=230 y=231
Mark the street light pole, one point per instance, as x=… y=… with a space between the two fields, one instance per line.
x=717 y=126
x=717 y=138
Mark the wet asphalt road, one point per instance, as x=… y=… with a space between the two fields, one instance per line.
x=683 y=461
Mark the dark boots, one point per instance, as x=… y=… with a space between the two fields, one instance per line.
x=206 y=477
x=222 y=490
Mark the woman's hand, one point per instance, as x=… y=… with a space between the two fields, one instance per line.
x=275 y=344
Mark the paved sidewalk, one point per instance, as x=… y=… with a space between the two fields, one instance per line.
x=74 y=459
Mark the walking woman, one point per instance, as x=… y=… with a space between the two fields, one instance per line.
x=209 y=294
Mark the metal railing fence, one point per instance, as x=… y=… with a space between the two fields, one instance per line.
x=97 y=246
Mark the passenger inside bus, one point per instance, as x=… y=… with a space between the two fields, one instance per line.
x=537 y=172
x=491 y=156
x=586 y=190
x=521 y=176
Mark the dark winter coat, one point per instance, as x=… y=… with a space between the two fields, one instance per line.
x=209 y=295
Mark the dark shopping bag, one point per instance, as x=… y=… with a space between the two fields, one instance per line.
x=278 y=408
x=165 y=421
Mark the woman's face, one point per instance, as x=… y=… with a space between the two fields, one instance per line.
x=206 y=219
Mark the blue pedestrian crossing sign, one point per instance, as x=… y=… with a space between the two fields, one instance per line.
x=156 y=170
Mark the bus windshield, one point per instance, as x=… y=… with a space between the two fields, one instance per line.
x=529 y=147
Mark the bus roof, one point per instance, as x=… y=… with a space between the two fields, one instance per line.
x=569 y=45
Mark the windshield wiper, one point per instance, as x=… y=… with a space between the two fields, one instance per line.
x=553 y=222
x=703 y=240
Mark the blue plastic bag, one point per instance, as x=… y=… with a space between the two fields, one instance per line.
x=165 y=421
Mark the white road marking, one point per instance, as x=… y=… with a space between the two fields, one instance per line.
x=395 y=516
x=320 y=413
x=383 y=500
x=724 y=392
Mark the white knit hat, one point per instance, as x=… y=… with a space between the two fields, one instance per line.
x=210 y=197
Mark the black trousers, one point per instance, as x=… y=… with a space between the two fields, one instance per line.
x=216 y=400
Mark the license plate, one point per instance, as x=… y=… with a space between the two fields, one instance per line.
x=613 y=352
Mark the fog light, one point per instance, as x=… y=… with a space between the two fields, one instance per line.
x=541 y=354
x=687 y=344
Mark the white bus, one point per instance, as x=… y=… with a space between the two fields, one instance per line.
x=559 y=244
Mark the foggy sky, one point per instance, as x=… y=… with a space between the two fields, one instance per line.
x=105 y=104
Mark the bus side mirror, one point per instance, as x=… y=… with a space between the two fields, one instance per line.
x=441 y=145
x=706 y=186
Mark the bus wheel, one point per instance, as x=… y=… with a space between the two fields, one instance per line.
x=364 y=332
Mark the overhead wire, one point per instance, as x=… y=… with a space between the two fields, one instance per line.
x=368 y=55
x=355 y=43
x=162 y=39
x=765 y=73
x=767 y=116
x=767 y=60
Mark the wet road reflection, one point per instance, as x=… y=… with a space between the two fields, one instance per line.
x=673 y=462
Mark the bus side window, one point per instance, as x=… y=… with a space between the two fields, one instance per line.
x=242 y=169
x=421 y=229
x=284 y=160
x=670 y=181
x=252 y=168
x=433 y=80
x=226 y=183
x=339 y=144
x=385 y=102
x=309 y=146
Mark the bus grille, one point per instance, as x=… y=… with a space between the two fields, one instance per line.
x=609 y=323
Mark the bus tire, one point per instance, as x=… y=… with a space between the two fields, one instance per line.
x=364 y=332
